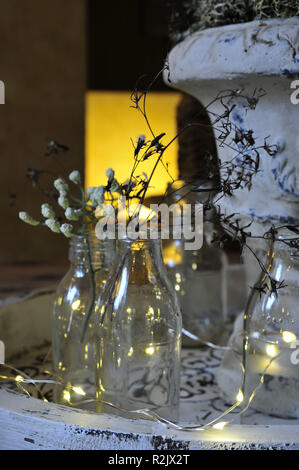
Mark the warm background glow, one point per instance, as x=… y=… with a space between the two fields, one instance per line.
x=110 y=123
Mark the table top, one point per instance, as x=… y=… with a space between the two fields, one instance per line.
x=200 y=397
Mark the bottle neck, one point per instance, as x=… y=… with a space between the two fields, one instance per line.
x=278 y=258
x=86 y=250
x=143 y=258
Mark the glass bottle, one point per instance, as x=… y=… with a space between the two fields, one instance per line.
x=271 y=325
x=139 y=334
x=73 y=317
x=198 y=276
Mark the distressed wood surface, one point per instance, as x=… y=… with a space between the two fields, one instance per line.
x=29 y=423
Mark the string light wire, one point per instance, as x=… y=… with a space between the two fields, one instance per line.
x=217 y=423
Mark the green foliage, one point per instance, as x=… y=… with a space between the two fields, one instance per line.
x=195 y=15
x=214 y=13
x=276 y=8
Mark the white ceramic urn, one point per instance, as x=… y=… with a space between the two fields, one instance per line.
x=260 y=55
x=251 y=56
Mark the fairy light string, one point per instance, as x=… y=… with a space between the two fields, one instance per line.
x=217 y=423
x=21 y=379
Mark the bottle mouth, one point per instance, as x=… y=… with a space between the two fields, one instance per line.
x=129 y=241
x=88 y=235
x=89 y=240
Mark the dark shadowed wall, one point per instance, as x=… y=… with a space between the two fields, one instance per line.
x=42 y=63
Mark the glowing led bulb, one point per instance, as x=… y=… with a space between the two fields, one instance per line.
x=66 y=395
x=240 y=396
x=220 y=425
x=150 y=350
x=19 y=378
x=76 y=304
x=151 y=313
x=271 y=350
x=79 y=391
x=130 y=353
x=288 y=336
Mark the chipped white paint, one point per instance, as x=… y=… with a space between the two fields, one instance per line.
x=28 y=423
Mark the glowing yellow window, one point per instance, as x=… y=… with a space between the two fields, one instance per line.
x=111 y=123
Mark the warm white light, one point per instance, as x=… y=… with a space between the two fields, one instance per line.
x=79 y=391
x=145 y=214
x=288 y=336
x=19 y=378
x=66 y=395
x=240 y=396
x=150 y=350
x=220 y=425
x=271 y=350
x=76 y=304
x=130 y=353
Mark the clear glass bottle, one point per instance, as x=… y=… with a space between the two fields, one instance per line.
x=73 y=317
x=271 y=323
x=139 y=334
x=198 y=276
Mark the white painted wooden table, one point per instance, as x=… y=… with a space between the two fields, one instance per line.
x=30 y=423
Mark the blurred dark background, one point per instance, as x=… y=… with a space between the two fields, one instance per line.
x=125 y=41
x=52 y=52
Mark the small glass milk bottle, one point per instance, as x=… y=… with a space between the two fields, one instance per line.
x=139 y=335
x=198 y=276
x=268 y=333
x=73 y=317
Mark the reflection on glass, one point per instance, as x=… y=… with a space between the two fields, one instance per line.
x=139 y=334
x=197 y=276
x=272 y=323
x=73 y=359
